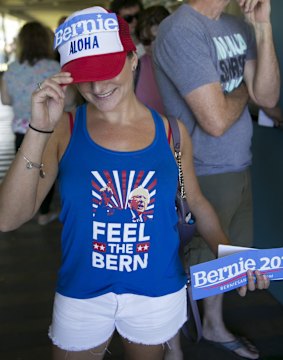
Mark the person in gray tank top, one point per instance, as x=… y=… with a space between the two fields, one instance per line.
x=209 y=65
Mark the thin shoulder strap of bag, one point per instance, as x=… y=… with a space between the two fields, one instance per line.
x=175 y=132
x=174 y=127
x=192 y=304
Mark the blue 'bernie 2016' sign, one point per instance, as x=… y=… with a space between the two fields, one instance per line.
x=230 y=272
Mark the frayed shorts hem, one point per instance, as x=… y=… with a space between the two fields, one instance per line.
x=151 y=343
x=76 y=348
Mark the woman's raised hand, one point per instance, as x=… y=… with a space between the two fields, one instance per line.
x=48 y=101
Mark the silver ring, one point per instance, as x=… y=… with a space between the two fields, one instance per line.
x=39 y=86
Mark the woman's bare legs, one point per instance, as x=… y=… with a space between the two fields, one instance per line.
x=173 y=348
x=92 y=354
x=134 y=351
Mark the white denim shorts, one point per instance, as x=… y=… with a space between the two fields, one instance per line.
x=83 y=324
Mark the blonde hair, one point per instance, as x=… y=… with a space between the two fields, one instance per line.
x=140 y=191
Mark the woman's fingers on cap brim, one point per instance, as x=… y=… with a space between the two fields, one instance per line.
x=49 y=92
x=62 y=77
x=55 y=83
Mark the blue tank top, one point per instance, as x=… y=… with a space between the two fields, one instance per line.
x=119 y=220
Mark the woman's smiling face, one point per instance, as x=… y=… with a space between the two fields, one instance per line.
x=107 y=94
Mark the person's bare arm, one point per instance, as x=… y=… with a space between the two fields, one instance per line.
x=206 y=218
x=275 y=114
x=262 y=76
x=22 y=189
x=207 y=221
x=214 y=110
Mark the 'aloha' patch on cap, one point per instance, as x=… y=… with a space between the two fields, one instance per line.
x=88 y=34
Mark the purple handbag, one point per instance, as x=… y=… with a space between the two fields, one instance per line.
x=186 y=220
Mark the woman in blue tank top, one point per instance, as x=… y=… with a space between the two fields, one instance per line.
x=118 y=178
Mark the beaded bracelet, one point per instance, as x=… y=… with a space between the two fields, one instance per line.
x=30 y=164
x=41 y=131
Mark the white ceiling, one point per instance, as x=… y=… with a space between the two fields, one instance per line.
x=50 y=11
x=46 y=11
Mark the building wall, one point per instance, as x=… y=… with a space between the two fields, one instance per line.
x=277 y=25
x=267 y=169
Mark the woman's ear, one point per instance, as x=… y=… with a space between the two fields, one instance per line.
x=134 y=61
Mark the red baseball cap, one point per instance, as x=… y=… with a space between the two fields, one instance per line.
x=93 y=44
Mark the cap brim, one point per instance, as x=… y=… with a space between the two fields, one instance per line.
x=97 y=67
